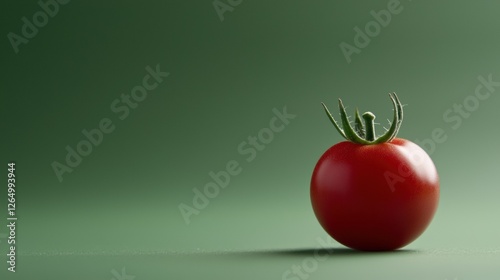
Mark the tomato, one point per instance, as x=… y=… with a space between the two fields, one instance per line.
x=374 y=194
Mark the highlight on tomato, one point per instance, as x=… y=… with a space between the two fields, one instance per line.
x=374 y=193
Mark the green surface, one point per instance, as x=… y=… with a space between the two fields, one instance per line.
x=119 y=207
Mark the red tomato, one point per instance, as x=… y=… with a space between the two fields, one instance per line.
x=374 y=197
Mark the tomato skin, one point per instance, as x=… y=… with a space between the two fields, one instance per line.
x=375 y=197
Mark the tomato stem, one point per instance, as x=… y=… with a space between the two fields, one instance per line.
x=365 y=135
x=370 y=126
x=348 y=130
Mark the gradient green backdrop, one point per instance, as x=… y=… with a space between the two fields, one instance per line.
x=119 y=207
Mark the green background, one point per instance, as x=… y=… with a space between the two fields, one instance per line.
x=119 y=207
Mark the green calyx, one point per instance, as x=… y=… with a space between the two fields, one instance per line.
x=364 y=132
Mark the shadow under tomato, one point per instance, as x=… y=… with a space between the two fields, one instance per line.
x=312 y=252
